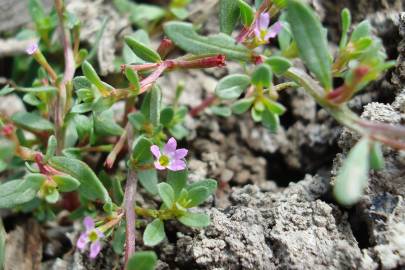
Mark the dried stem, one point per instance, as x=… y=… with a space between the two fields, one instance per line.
x=117 y=148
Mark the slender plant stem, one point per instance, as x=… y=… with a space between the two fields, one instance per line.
x=129 y=206
x=60 y=102
x=341 y=113
x=203 y=105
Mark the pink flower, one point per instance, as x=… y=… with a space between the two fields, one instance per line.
x=169 y=158
x=262 y=31
x=90 y=235
x=32 y=48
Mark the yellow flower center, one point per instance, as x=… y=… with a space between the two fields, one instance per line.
x=164 y=160
x=93 y=236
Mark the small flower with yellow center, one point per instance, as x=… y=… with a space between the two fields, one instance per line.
x=262 y=31
x=91 y=235
x=170 y=157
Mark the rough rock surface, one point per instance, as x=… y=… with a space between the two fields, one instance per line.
x=92 y=14
x=266 y=230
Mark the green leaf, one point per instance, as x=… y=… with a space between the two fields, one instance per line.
x=346 y=23
x=137 y=120
x=179 y=13
x=246 y=12
x=53 y=197
x=274 y=106
x=82 y=124
x=280 y=3
x=223 y=111
x=142 y=260
x=376 y=157
x=256 y=114
x=353 y=175
x=142 y=50
x=32 y=100
x=117 y=191
x=50 y=150
x=166 y=193
x=362 y=30
x=262 y=76
x=16 y=192
x=197 y=195
x=184 y=36
x=32 y=121
x=129 y=56
x=177 y=180
x=278 y=64
x=210 y=184
x=66 y=183
x=91 y=75
x=141 y=152
x=197 y=220
x=149 y=180
x=119 y=240
x=228 y=15
x=39 y=89
x=166 y=116
x=232 y=86
x=178 y=131
x=143 y=14
x=270 y=120
x=6 y=90
x=151 y=105
x=81 y=82
x=154 y=233
x=90 y=186
x=105 y=125
x=82 y=108
x=133 y=78
x=242 y=105
x=311 y=40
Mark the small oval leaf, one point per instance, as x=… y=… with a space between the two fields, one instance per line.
x=353 y=175
x=154 y=233
x=311 y=40
x=166 y=193
x=232 y=86
x=142 y=50
x=197 y=220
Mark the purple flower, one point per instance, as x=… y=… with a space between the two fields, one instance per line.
x=32 y=48
x=262 y=31
x=169 y=158
x=90 y=235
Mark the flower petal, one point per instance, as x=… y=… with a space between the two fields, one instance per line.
x=95 y=248
x=32 y=48
x=256 y=29
x=82 y=241
x=274 y=30
x=99 y=233
x=155 y=151
x=88 y=223
x=177 y=165
x=180 y=153
x=170 y=147
x=158 y=166
x=263 y=21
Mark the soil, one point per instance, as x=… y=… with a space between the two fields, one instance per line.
x=274 y=208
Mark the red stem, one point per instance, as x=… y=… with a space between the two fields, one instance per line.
x=204 y=104
x=129 y=203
